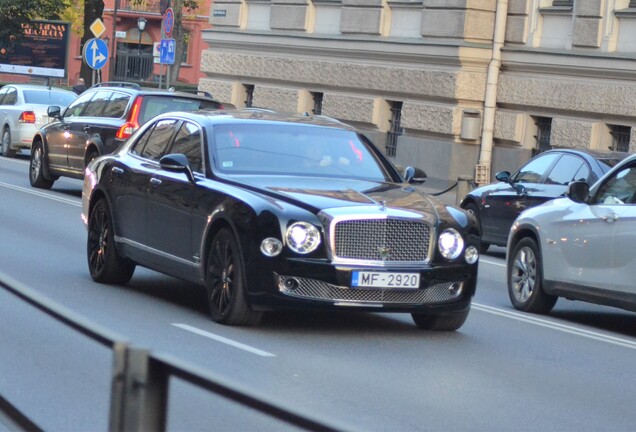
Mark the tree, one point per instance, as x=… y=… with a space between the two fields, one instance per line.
x=15 y=14
x=178 y=32
x=93 y=9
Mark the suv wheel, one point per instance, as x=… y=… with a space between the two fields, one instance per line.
x=35 y=168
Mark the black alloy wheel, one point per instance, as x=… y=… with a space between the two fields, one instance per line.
x=36 y=178
x=525 y=279
x=441 y=321
x=104 y=263
x=472 y=209
x=226 y=283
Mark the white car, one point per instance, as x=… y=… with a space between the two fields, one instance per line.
x=23 y=110
x=580 y=247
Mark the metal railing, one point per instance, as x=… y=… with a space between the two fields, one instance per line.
x=132 y=65
x=139 y=385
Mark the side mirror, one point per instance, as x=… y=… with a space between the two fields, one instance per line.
x=578 y=191
x=177 y=162
x=503 y=176
x=414 y=175
x=54 y=111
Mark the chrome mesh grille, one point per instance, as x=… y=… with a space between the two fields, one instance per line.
x=318 y=290
x=382 y=240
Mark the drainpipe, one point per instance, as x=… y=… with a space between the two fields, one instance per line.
x=482 y=171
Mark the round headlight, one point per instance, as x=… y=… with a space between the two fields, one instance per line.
x=271 y=247
x=450 y=243
x=302 y=237
x=471 y=254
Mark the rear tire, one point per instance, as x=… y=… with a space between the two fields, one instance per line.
x=7 y=151
x=441 y=321
x=225 y=282
x=472 y=209
x=36 y=176
x=104 y=262
x=525 y=279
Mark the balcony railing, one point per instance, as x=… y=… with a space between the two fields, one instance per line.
x=139 y=6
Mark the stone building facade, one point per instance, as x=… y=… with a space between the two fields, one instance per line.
x=413 y=73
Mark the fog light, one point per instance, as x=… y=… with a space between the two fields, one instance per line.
x=455 y=289
x=271 y=247
x=471 y=254
x=291 y=283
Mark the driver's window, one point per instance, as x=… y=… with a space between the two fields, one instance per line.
x=533 y=171
x=618 y=189
x=75 y=109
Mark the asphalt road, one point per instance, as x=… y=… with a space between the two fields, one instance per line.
x=503 y=370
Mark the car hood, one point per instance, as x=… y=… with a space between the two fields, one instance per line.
x=317 y=194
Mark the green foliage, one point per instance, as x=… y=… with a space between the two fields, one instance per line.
x=13 y=14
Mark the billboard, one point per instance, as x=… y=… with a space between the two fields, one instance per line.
x=42 y=50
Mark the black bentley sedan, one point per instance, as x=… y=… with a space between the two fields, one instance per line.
x=274 y=212
x=544 y=177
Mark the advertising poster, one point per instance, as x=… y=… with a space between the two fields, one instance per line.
x=41 y=51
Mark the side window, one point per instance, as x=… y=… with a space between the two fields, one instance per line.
x=75 y=109
x=117 y=105
x=138 y=147
x=96 y=105
x=11 y=97
x=534 y=170
x=618 y=189
x=159 y=139
x=565 y=169
x=3 y=92
x=188 y=142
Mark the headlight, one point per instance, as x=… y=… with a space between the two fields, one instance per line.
x=471 y=254
x=450 y=243
x=302 y=237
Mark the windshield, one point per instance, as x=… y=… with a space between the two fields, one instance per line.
x=46 y=97
x=294 y=150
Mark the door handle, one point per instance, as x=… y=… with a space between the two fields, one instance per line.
x=66 y=127
x=610 y=218
x=155 y=181
x=87 y=129
x=117 y=171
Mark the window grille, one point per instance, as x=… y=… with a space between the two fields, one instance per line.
x=621 y=135
x=317 y=103
x=544 y=127
x=249 y=95
x=395 y=129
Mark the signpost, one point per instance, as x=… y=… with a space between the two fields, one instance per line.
x=168 y=22
x=95 y=53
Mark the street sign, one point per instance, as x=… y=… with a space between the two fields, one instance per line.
x=166 y=51
x=168 y=22
x=95 y=53
x=98 y=28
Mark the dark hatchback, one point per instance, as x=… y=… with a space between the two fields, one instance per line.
x=98 y=122
x=275 y=212
x=544 y=177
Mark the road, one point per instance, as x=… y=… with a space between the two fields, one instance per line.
x=503 y=370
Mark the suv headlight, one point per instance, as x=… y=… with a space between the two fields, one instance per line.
x=302 y=237
x=450 y=243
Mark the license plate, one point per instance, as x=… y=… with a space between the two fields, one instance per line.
x=365 y=279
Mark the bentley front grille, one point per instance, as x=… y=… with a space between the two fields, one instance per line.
x=318 y=290
x=384 y=240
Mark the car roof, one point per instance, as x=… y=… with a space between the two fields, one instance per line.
x=133 y=88
x=596 y=154
x=36 y=87
x=257 y=115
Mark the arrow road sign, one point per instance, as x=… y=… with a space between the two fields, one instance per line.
x=95 y=53
x=166 y=51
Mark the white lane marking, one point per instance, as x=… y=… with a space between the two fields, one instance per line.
x=224 y=340
x=18 y=161
x=626 y=343
x=41 y=194
x=481 y=260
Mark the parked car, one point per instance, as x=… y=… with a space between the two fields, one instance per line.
x=97 y=123
x=23 y=110
x=544 y=177
x=277 y=212
x=580 y=247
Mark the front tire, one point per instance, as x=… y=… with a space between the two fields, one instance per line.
x=441 y=321
x=472 y=209
x=225 y=282
x=525 y=279
x=36 y=176
x=104 y=262
x=7 y=151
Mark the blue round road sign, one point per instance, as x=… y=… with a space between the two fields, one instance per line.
x=168 y=22
x=95 y=53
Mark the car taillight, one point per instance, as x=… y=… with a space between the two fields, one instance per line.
x=27 y=117
x=132 y=123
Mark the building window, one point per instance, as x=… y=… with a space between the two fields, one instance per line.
x=186 y=46
x=395 y=129
x=621 y=135
x=317 y=103
x=249 y=95
x=563 y=3
x=544 y=127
